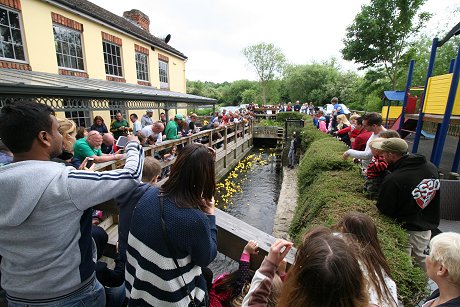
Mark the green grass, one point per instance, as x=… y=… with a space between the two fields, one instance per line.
x=329 y=188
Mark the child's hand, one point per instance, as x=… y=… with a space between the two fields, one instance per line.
x=208 y=206
x=278 y=251
x=252 y=247
x=282 y=268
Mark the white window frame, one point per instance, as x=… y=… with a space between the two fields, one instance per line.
x=164 y=79
x=106 y=63
x=77 y=115
x=76 y=56
x=25 y=61
x=144 y=72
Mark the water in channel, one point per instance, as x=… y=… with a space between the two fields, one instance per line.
x=250 y=193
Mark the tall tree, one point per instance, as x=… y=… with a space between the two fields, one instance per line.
x=268 y=62
x=379 y=34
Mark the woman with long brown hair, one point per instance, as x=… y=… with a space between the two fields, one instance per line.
x=382 y=289
x=99 y=125
x=173 y=234
x=326 y=273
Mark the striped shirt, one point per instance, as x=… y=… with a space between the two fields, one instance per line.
x=151 y=275
x=377 y=166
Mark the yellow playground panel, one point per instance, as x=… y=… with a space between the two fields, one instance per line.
x=437 y=93
x=395 y=111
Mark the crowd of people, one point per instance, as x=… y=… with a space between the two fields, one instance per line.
x=50 y=245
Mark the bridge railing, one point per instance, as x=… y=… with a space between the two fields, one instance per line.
x=225 y=140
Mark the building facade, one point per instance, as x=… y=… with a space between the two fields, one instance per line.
x=80 y=39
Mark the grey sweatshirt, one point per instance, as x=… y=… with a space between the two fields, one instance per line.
x=45 y=224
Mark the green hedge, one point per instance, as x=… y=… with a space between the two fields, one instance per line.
x=282 y=116
x=329 y=188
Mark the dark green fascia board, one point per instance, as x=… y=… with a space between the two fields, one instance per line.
x=21 y=89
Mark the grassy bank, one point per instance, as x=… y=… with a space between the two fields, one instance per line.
x=329 y=188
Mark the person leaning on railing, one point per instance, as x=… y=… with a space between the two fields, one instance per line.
x=45 y=220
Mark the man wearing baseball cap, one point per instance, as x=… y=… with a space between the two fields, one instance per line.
x=147 y=118
x=410 y=194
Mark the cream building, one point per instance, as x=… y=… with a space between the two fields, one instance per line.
x=80 y=39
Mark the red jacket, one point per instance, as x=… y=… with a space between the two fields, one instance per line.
x=361 y=137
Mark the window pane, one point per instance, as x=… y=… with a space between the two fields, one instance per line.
x=3 y=17
x=73 y=62
x=73 y=52
x=78 y=39
x=65 y=48
x=16 y=36
x=66 y=61
x=107 y=71
x=79 y=51
x=80 y=64
x=104 y=47
x=8 y=50
x=19 y=52
x=58 y=47
x=14 y=20
x=59 y=59
x=5 y=34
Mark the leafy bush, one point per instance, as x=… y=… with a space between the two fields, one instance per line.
x=282 y=116
x=269 y=123
x=201 y=112
x=310 y=134
x=329 y=188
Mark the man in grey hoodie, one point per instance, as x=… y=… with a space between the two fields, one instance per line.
x=45 y=220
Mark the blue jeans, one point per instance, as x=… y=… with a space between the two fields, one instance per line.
x=115 y=296
x=92 y=295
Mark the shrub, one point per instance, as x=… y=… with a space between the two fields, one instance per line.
x=282 y=116
x=329 y=188
x=269 y=123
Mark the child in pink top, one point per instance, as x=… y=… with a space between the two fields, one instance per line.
x=228 y=286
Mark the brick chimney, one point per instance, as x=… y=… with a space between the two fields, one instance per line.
x=138 y=18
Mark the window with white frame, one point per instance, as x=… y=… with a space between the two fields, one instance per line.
x=78 y=111
x=142 y=66
x=164 y=79
x=112 y=59
x=69 y=50
x=11 y=42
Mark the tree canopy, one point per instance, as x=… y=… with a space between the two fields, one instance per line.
x=268 y=61
x=380 y=33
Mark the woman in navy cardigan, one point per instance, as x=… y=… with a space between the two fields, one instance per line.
x=174 y=222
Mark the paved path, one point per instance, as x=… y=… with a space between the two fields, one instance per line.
x=287 y=203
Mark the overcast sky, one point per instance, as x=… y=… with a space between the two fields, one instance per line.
x=212 y=33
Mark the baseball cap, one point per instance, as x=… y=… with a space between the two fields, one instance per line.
x=179 y=116
x=193 y=115
x=322 y=118
x=149 y=111
x=375 y=141
x=392 y=145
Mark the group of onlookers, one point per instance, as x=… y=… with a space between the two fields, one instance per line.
x=168 y=236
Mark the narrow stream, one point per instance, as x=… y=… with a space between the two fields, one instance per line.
x=256 y=187
x=250 y=193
